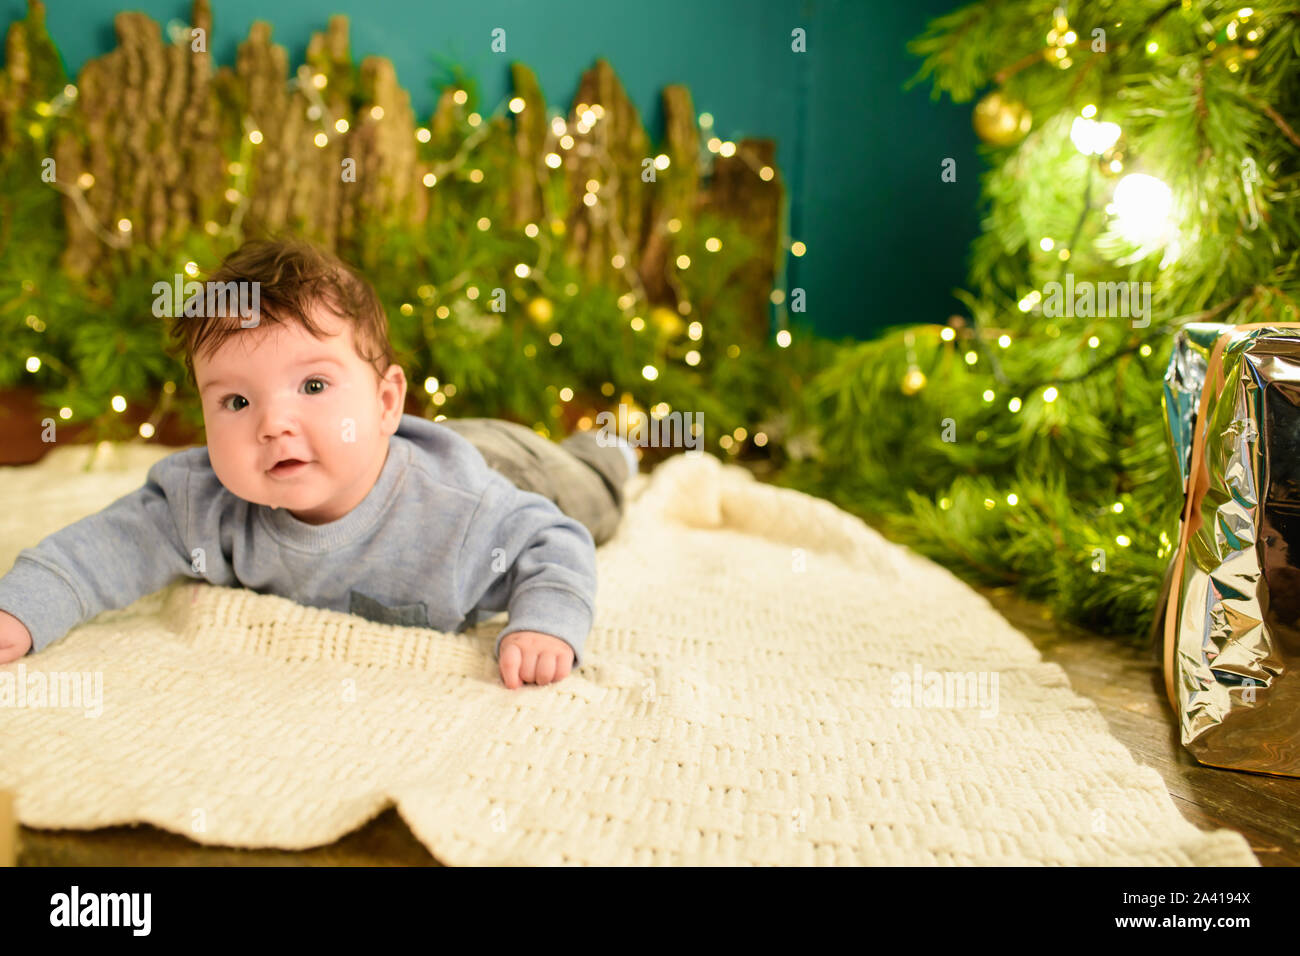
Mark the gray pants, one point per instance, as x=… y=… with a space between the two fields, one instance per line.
x=583 y=478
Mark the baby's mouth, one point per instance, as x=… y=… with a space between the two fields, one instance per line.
x=288 y=467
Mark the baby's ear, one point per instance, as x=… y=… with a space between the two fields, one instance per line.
x=392 y=396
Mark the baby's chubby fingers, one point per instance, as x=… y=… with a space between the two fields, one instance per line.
x=534 y=658
x=545 y=671
x=15 y=639
x=511 y=658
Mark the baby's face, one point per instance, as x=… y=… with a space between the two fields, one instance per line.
x=276 y=392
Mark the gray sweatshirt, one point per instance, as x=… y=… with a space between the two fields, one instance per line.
x=441 y=541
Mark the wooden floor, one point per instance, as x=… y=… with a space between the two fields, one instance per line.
x=1123 y=682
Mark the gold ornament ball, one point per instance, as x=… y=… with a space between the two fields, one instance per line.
x=666 y=320
x=1000 y=121
x=541 y=311
x=913 y=381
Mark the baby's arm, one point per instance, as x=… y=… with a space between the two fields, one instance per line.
x=522 y=552
x=106 y=560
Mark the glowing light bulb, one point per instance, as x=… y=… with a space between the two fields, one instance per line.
x=1142 y=208
x=1090 y=137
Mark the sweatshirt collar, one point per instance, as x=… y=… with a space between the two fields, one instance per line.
x=287 y=529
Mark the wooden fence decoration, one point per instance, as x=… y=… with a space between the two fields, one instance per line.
x=143 y=142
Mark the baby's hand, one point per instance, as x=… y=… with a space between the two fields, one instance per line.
x=533 y=657
x=15 y=639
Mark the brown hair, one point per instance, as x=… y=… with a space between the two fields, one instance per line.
x=292 y=274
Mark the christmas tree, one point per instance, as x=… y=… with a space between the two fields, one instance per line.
x=1142 y=172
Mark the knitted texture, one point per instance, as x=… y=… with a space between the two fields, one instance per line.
x=738 y=706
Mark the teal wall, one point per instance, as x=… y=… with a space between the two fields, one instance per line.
x=886 y=239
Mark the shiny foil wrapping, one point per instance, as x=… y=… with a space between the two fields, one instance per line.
x=1183 y=381
x=1231 y=617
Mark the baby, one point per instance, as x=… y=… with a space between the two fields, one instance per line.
x=315 y=485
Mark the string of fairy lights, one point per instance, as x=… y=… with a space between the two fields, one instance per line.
x=1142 y=211
x=581 y=135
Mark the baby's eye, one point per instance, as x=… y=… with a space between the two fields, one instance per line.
x=323 y=383
x=229 y=398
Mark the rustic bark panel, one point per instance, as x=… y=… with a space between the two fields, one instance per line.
x=737 y=192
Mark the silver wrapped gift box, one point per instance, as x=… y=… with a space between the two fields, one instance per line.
x=1228 y=628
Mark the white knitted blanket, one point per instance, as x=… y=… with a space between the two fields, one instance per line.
x=741 y=703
